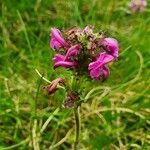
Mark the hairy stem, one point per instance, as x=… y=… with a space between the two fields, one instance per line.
x=77 y=127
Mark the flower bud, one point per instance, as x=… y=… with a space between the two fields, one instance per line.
x=72 y=97
x=51 y=88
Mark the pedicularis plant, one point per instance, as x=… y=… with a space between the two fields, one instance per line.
x=87 y=54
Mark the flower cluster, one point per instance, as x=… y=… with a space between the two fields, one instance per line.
x=83 y=50
x=138 y=5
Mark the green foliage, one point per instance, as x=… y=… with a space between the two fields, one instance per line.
x=116 y=116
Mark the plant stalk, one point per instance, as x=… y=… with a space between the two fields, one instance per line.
x=77 y=127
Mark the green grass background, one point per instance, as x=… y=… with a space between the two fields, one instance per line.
x=116 y=119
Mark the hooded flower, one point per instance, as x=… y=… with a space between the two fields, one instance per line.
x=97 y=69
x=138 y=5
x=57 y=40
x=67 y=61
x=111 y=46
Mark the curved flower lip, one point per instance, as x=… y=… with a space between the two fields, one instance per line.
x=58 y=57
x=57 y=41
x=59 y=61
x=97 y=69
x=111 y=46
x=100 y=60
x=65 y=64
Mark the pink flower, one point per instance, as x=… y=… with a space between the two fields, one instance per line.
x=138 y=5
x=67 y=61
x=57 y=40
x=97 y=69
x=110 y=45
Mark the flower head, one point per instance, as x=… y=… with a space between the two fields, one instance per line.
x=138 y=5
x=80 y=47
x=57 y=40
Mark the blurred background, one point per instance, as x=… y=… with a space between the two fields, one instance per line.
x=116 y=119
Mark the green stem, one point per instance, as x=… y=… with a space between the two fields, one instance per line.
x=77 y=129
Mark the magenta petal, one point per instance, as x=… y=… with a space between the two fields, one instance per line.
x=58 y=57
x=104 y=58
x=100 y=73
x=97 y=68
x=95 y=73
x=105 y=72
x=73 y=51
x=93 y=65
x=58 y=36
x=57 y=40
x=111 y=46
x=54 y=44
x=101 y=60
x=65 y=64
